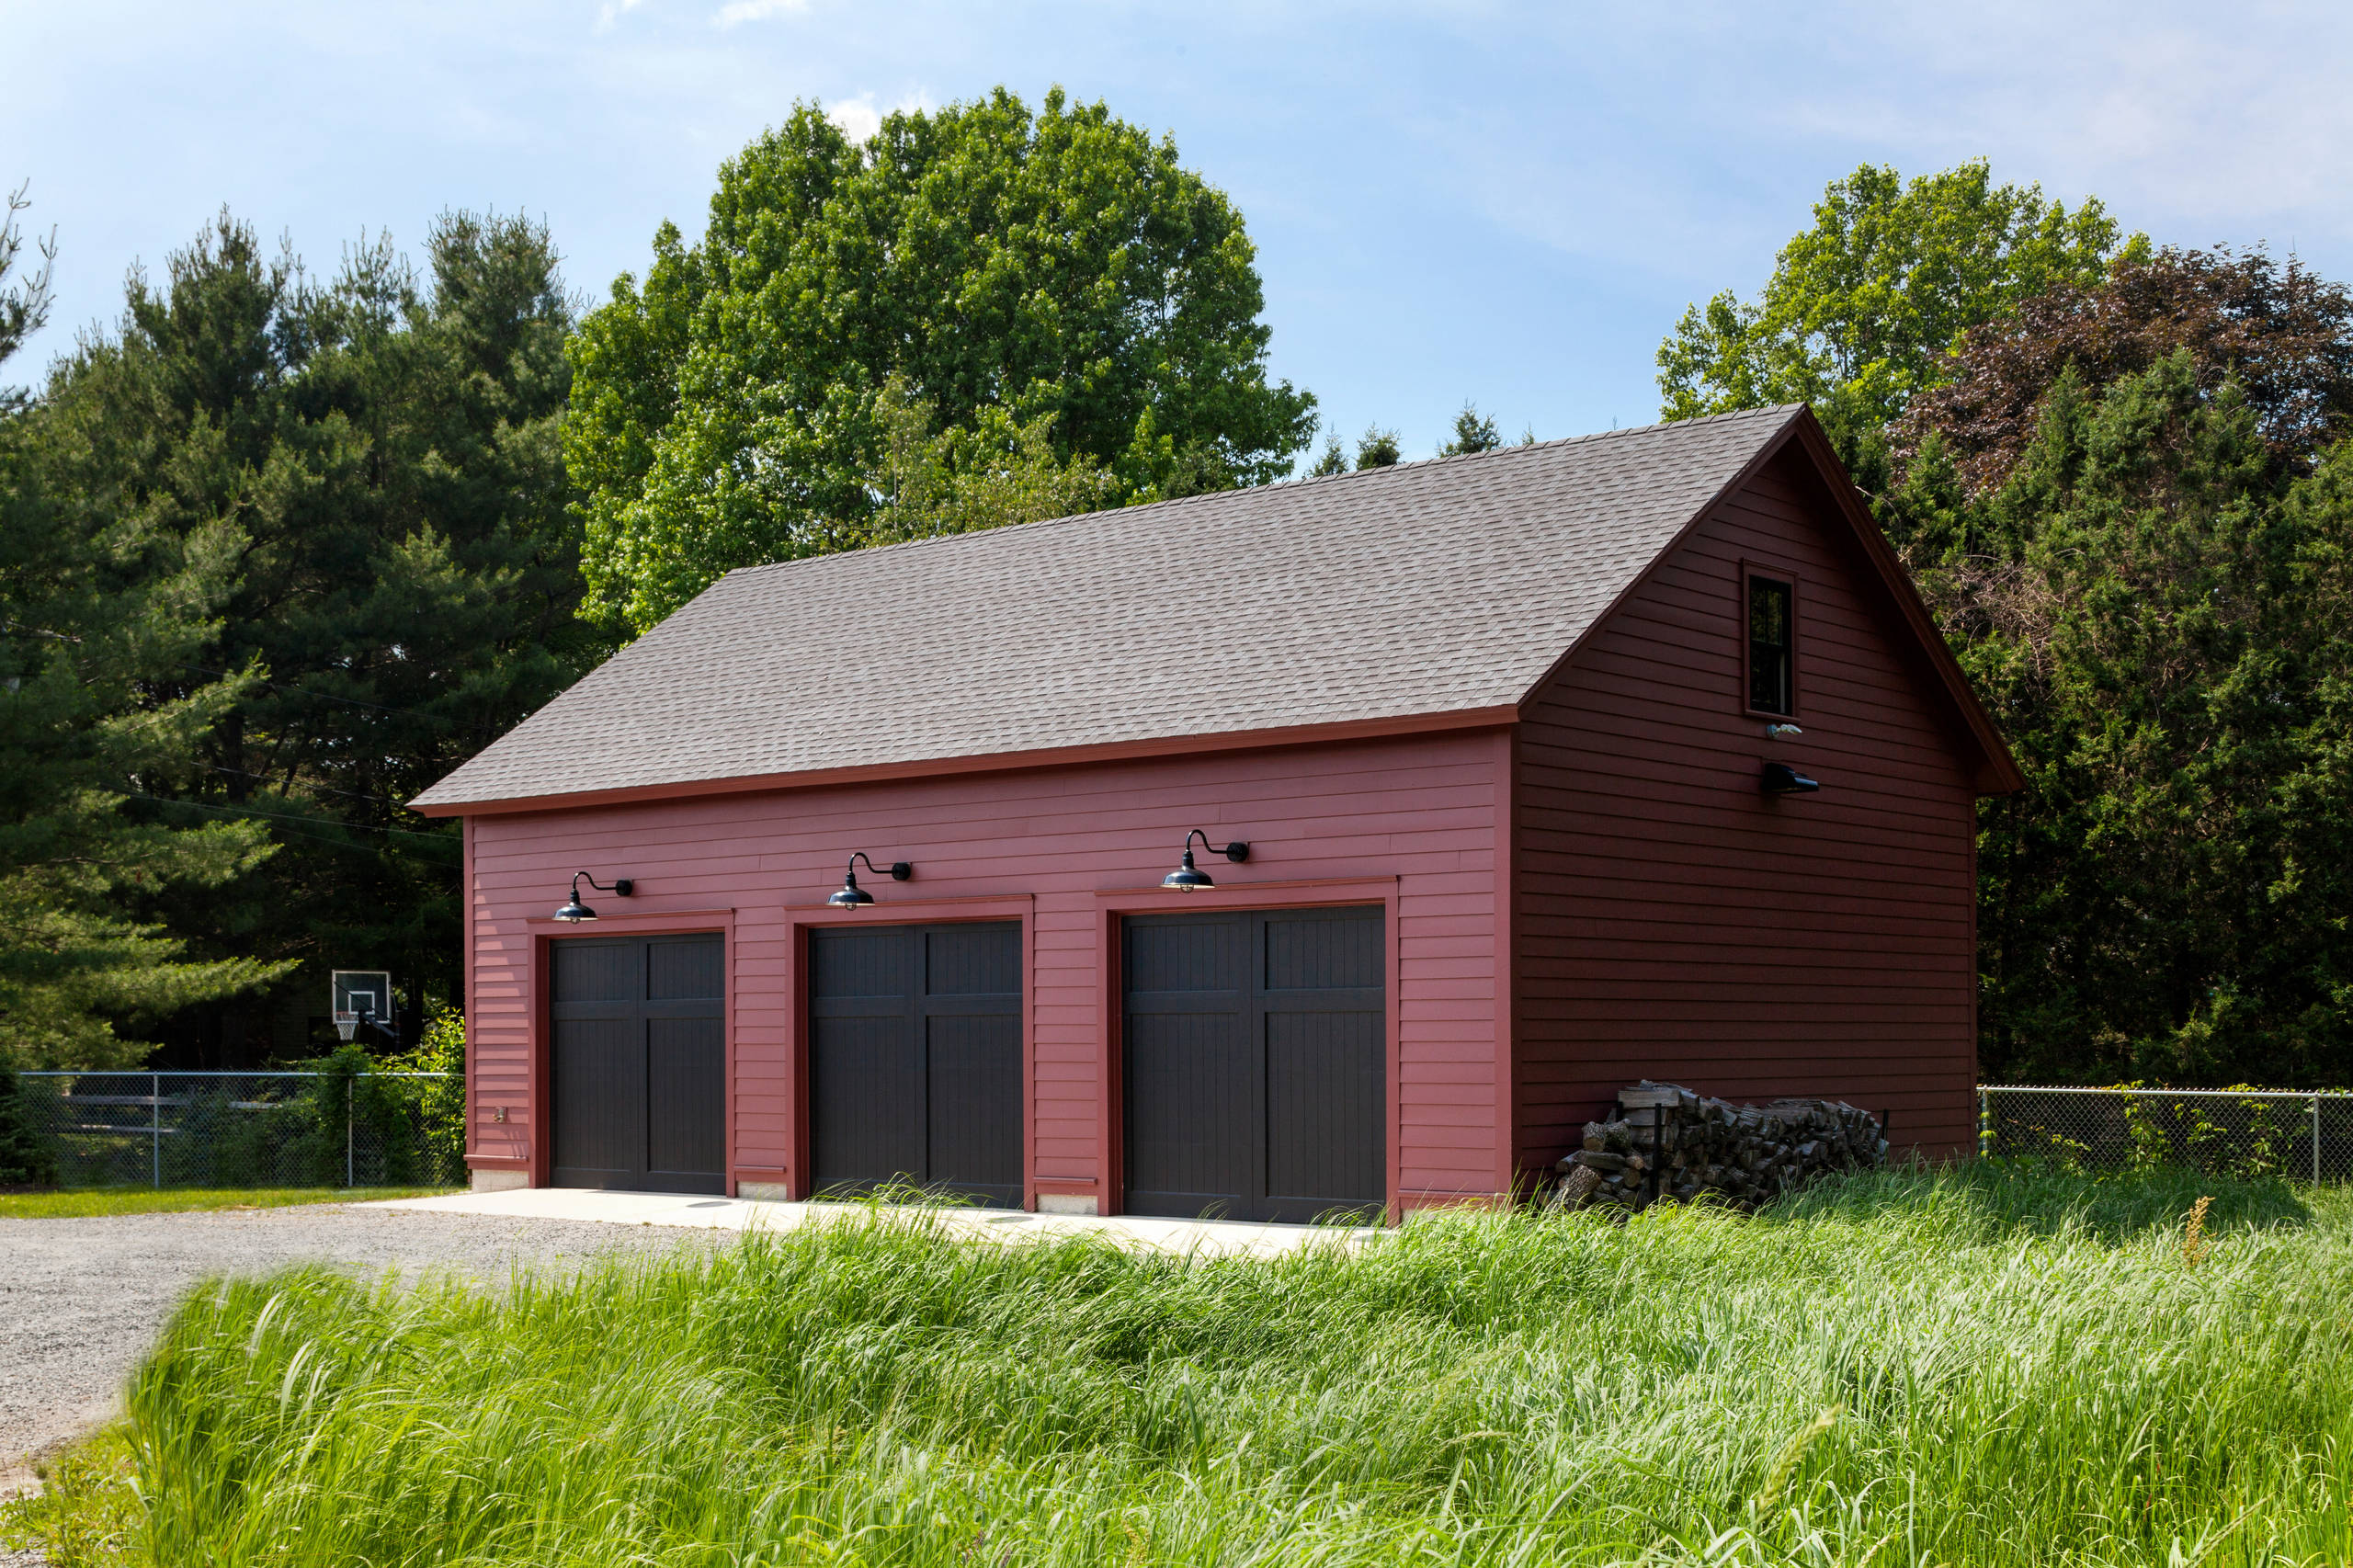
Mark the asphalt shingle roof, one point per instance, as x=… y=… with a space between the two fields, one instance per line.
x=1428 y=588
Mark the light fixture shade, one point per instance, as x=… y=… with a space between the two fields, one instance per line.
x=849 y=896
x=1187 y=878
x=574 y=912
x=1780 y=779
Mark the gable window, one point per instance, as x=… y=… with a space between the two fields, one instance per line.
x=1772 y=645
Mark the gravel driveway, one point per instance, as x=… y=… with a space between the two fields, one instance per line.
x=81 y=1298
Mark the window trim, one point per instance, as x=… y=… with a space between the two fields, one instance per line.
x=1749 y=571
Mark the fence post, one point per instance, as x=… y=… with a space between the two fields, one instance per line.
x=155 y=1124
x=349 y=1085
x=2315 y=1140
x=1985 y=1122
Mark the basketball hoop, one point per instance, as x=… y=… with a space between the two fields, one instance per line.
x=361 y=997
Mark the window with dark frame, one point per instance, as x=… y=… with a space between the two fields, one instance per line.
x=1771 y=646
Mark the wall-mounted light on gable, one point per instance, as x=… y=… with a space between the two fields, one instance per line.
x=1780 y=777
x=849 y=896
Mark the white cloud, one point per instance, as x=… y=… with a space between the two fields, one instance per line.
x=611 y=12
x=2222 y=122
x=859 y=118
x=736 y=12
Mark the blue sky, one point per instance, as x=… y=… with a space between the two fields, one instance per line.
x=1507 y=203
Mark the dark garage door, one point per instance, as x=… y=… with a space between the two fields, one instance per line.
x=639 y=1062
x=914 y=1058
x=1256 y=1060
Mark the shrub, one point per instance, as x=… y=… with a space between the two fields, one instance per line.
x=26 y=1157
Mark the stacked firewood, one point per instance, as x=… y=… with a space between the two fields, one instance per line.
x=1669 y=1143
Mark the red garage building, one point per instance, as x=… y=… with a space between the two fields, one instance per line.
x=1524 y=748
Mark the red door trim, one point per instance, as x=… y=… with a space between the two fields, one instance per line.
x=800 y=921
x=1112 y=1106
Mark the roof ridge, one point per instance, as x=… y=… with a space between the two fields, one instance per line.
x=870 y=550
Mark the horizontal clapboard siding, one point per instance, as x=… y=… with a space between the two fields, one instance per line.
x=1423 y=809
x=1672 y=922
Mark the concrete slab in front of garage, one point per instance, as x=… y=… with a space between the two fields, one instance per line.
x=1203 y=1237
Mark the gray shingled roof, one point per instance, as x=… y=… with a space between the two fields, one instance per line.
x=1428 y=588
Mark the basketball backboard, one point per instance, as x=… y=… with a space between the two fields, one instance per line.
x=364 y=993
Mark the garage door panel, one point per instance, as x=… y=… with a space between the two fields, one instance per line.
x=863 y=1129
x=686 y=1095
x=975 y=1098
x=1325 y=1079
x=1189 y=1111
x=685 y=969
x=844 y=964
x=594 y=1063
x=1322 y=951
x=1185 y=954
x=965 y=960
x=585 y=970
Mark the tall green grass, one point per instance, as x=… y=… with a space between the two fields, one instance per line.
x=1973 y=1367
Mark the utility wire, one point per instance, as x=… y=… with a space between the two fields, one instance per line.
x=285 y=816
x=272 y=685
x=322 y=789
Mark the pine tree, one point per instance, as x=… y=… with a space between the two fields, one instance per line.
x=1473 y=432
x=374 y=466
x=97 y=710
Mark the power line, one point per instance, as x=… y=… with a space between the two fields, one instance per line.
x=272 y=685
x=285 y=816
x=324 y=789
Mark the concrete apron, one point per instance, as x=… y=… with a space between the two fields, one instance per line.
x=1205 y=1238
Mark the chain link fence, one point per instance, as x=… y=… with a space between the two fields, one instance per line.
x=2305 y=1135
x=249 y=1130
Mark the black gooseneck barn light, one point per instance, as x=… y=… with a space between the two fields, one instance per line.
x=1780 y=777
x=1189 y=878
x=850 y=895
x=574 y=912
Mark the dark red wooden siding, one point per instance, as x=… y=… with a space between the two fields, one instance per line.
x=1670 y=921
x=1422 y=810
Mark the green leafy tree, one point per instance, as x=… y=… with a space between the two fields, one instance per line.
x=369 y=473
x=1865 y=309
x=1377 y=448
x=2159 y=607
x=93 y=712
x=1332 y=460
x=2130 y=510
x=732 y=408
x=1473 y=433
x=930 y=481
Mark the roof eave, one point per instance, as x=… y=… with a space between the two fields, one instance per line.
x=998 y=762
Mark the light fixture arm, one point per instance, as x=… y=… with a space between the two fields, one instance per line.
x=620 y=886
x=1237 y=852
x=900 y=871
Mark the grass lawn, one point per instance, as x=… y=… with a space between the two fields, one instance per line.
x=81 y=1202
x=1903 y=1369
